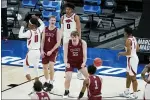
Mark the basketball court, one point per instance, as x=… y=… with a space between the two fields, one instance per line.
x=113 y=70
x=15 y=85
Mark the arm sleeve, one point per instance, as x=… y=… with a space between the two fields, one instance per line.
x=22 y=34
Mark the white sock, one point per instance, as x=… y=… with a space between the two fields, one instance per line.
x=127 y=89
x=47 y=81
x=51 y=81
x=135 y=93
x=26 y=69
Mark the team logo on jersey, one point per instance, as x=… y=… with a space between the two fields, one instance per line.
x=68 y=20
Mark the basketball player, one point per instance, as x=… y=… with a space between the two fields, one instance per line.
x=132 y=62
x=75 y=56
x=147 y=80
x=70 y=22
x=93 y=84
x=33 y=36
x=39 y=94
x=51 y=39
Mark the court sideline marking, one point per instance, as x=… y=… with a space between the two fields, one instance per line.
x=56 y=93
x=19 y=84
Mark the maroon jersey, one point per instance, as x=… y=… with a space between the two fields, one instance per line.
x=75 y=53
x=42 y=96
x=50 y=39
x=94 y=88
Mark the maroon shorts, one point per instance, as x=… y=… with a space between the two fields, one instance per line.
x=74 y=65
x=51 y=58
x=95 y=98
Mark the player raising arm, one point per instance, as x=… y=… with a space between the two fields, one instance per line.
x=33 y=36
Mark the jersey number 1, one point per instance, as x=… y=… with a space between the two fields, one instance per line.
x=36 y=38
x=96 y=87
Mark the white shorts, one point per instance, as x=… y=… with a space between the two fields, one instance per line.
x=132 y=65
x=66 y=36
x=147 y=92
x=32 y=58
x=65 y=40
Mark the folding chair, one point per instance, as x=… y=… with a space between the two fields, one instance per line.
x=92 y=7
x=85 y=32
x=108 y=17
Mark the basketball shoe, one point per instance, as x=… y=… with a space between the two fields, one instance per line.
x=133 y=97
x=47 y=87
x=125 y=94
x=66 y=94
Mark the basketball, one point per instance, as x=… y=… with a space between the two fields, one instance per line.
x=97 y=62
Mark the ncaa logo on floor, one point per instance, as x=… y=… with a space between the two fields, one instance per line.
x=103 y=70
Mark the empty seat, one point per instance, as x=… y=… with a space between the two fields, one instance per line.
x=29 y=3
x=51 y=5
x=93 y=2
x=92 y=9
x=47 y=14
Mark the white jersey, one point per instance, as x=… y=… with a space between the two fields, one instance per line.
x=69 y=25
x=33 y=36
x=35 y=39
x=133 y=47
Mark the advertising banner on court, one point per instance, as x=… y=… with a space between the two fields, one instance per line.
x=144 y=44
x=14 y=53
